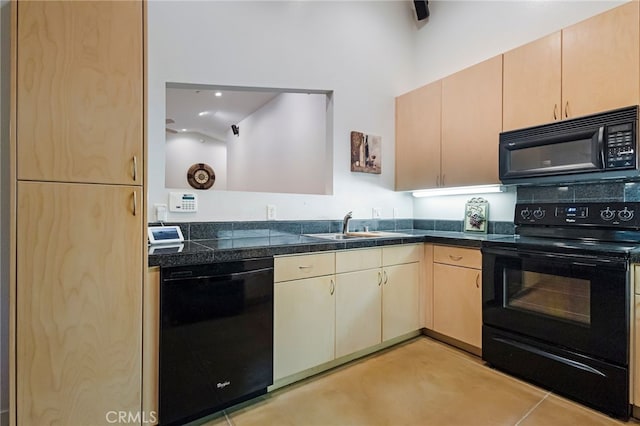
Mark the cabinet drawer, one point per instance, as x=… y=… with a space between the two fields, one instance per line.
x=458 y=256
x=407 y=253
x=288 y=268
x=358 y=260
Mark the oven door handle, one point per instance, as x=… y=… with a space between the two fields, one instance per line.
x=579 y=260
x=553 y=357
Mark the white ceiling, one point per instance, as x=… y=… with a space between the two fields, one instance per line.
x=186 y=102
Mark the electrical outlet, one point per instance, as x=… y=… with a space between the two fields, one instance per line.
x=161 y=212
x=271 y=212
x=376 y=212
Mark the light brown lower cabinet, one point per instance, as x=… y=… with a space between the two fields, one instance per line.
x=79 y=302
x=457 y=294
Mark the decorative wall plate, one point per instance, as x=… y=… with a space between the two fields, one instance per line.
x=201 y=176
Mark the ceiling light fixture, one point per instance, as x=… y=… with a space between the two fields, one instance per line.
x=203 y=113
x=460 y=190
x=218 y=94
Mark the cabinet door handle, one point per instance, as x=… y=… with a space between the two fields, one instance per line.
x=455 y=258
x=478 y=280
x=555 y=111
x=135 y=168
x=305 y=267
x=566 y=110
x=442 y=183
x=332 y=287
x=135 y=203
x=386 y=277
x=379 y=279
x=438 y=181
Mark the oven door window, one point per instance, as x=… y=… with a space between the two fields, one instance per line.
x=560 y=297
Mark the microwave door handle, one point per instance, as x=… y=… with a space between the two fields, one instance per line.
x=601 y=147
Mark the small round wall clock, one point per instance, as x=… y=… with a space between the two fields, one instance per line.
x=201 y=176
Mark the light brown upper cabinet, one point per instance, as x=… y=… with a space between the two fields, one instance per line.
x=447 y=131
x=589 y=67
x=471 y=124
x=418 y=138
x=532 y=83
x=79 y=91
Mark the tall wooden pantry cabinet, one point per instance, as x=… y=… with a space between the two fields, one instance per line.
x=78 y=219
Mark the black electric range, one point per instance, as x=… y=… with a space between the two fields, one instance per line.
x=557 y=299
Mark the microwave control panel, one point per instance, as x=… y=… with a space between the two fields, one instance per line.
x=620 y=152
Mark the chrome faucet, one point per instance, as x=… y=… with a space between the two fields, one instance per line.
x=345 y=222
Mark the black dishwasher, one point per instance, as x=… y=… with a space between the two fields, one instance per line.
x=216 y=337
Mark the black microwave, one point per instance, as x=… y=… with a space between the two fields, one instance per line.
x=594 y=147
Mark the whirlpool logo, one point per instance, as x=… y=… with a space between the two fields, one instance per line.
x=223 y=384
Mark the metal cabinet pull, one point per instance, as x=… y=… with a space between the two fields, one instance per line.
x=135 y=168
x=478 y=280
x=379 y=278
x=332 y=287
x=442 y=183
x=386 y=277
x=566 y=110
x=304 y=267
x=135 y=203
x=438 y=181
x=455 y=258
x=555 y=111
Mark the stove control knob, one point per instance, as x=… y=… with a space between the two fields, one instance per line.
x=625 y=214
x=526 y=213
x=539 y=213
x=607 y=214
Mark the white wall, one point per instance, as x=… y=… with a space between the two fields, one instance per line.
x=281 y=147
x=5 y=22
x=462 y=33
x=361 y=50
x=185 y=149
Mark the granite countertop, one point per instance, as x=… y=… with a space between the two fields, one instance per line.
x=223 y=249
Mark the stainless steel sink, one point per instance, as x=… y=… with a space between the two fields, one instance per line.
x=358 y=235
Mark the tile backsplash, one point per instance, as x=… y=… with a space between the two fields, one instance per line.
x=602 y=191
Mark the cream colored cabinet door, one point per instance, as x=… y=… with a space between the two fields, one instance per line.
x=471 y=124
x=532 y=83
x=457 y=303
x=304 y=324
x=400 y=299
x=358 y=310
x=418 y=138
x=427 y=288
x=601 y=62
x=79 y=302
x=80 y=91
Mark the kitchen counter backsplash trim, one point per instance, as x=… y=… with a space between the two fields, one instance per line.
x=207 y=242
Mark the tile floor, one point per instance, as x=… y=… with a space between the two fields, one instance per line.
x=420 y=382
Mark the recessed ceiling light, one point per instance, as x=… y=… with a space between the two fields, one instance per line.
x=203 y=113
x=184 y=130
x=218 y=94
